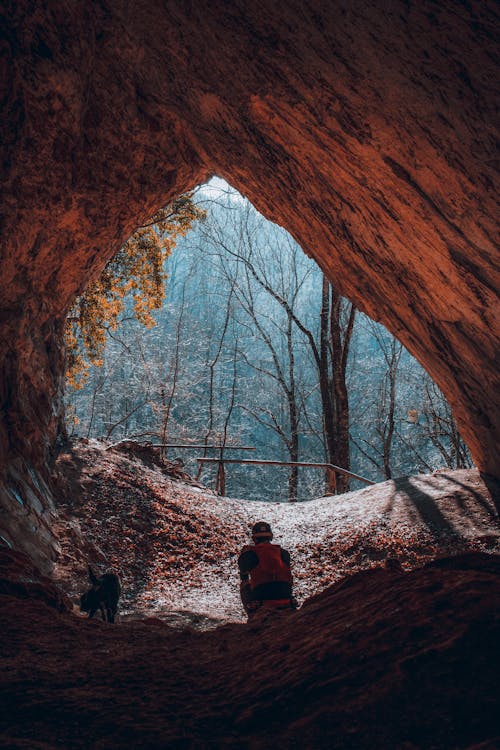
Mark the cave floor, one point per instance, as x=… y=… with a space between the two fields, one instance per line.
x=384 y=659
x=395 y=645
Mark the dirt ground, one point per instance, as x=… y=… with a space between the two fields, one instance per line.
x=395 y=644
x=175 y=545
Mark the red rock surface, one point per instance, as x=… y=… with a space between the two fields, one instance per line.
x=21 y=579
x=367 y=129
x=382 y=660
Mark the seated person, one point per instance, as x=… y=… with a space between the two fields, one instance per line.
x=266 y=576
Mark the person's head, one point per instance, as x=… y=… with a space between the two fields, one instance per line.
x=261 y=532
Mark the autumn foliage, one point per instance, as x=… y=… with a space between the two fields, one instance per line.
x=137 y=270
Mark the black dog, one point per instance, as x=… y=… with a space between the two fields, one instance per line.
x=103 y=595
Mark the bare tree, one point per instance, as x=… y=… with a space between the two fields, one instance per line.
x=330 y=355
x=281 y=283
x=253 y=292
x=441 y=429
x=378 y=451
x=336 y=325
x=212 y=364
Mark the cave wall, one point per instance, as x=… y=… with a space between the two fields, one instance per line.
x=365 y=129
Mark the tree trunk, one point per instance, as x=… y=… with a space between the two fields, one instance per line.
x=293 y=480
x=324 y=381
x=334 y=347
x=340 y=397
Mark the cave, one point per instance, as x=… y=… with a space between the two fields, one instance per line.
x=367 y=130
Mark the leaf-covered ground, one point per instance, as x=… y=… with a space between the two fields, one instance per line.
x=175 y=545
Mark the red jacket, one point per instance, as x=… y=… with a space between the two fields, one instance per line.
x=270 y=567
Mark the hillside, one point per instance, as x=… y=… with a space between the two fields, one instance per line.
x=176 y=544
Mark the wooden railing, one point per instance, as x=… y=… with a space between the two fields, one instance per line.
x=202 y=445
x=331 y=470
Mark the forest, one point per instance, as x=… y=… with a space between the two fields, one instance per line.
x=252 y=348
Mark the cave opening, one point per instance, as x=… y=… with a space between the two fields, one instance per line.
x=219 y=369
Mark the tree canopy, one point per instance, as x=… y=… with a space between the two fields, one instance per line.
x=138 y=270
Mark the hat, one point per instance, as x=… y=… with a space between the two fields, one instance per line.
x=261 y=530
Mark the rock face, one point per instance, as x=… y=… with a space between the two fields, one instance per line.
x=366 y=129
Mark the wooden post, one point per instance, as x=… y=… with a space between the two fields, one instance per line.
x=220 y=482
x=331 y=478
